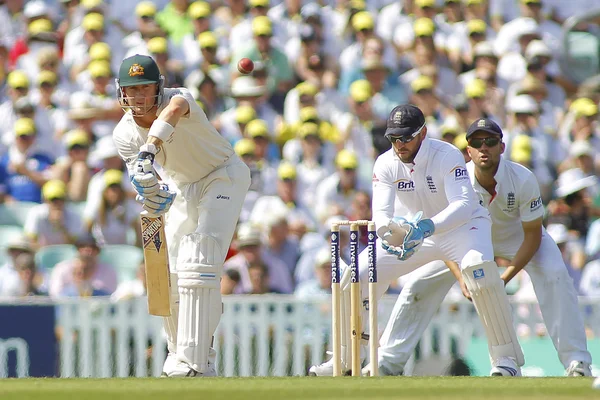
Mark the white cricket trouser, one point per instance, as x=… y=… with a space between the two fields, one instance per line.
x=211 y=206
x=422 y=294
x=472 y=241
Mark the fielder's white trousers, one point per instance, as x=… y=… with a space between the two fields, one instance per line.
x=468 y=244
x=422 y=294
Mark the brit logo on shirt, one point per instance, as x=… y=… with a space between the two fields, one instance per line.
x=430 y=184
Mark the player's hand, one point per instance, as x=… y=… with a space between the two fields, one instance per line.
x=465 y=290
x=159 y=204
x=144 y=179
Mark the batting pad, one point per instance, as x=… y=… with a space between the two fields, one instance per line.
x=199 y=269
x=491 y=302
x=170 y=322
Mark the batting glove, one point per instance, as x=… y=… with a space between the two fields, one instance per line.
x=159 y=204
x=144 y=179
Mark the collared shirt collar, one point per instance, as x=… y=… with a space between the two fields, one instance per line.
x=423 y=153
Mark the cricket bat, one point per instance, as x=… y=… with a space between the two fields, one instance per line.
x=156 y=260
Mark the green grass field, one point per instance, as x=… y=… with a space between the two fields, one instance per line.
x=347 y=388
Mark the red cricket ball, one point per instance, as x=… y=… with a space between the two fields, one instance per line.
x=245 y=66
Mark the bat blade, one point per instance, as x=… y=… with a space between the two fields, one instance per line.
x=156 y=260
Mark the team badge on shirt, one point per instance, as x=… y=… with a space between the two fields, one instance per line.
x=510 y=202
x=136 y=70
x=375 y=179
x=460 y=173
x=430 y=184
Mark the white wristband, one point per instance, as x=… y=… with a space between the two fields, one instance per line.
x=161 y=129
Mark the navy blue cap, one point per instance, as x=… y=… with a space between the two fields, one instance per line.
x=484 y=125
x=404 y=120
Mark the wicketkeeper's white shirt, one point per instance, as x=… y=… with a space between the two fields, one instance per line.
x=192 y=152
x=436 y=183
x=517 y=200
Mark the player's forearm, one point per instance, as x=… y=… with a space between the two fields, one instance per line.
x=529 y=247
x=457 y=213
x=383 y=204
x=164 y=126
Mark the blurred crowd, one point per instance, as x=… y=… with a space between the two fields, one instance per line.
x=309 y=121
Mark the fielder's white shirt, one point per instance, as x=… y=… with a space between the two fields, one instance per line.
x=436 y=183
x=517 y=200
x=193 y=151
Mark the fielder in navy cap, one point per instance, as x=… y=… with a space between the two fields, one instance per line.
x=484 y=125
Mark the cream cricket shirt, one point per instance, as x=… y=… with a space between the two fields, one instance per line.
x=517 y=200
x=193 y=151
x=436 y=183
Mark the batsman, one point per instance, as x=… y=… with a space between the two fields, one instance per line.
x=202 y=190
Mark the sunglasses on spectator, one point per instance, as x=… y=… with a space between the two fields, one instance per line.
x=489 y=142
x=78 y=147
x=47 y=85
x=405 y=138
x=147 y=18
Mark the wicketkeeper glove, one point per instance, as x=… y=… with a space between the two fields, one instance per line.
x=159 y=204
x=415 y=231
x=144 y=180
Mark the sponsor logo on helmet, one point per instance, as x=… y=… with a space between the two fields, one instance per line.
x=136 y=70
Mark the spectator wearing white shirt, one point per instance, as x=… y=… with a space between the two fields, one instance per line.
x=311 y=155
x=51 y=99
x=11 y=23
x=73 y=168
x=110 y=220
x=390 y=17
x=40 y=35
x=461 y=45
x=319 y=285
x=286 y=201
x=355 y=125
x=249 y=243
x=93 y=29
x=83 y=275
x=335 y=193
x=52 y=222
x=246 y=91
x=10 y=282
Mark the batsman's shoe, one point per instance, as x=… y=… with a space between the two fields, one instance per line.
x=169 y=365
x=325 y=369
x=579 y=368
x=505 y=366
x=383 y=371
x=183 y=370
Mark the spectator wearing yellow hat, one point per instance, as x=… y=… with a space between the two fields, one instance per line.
x=170 y=67
x=73 y=168
x=247 y=91
x=95 y=27
x=285 y=201
x=355 y=125
x=115 y=215
x=335 y=193
x=24 y=169
x=51 y=98
x=267 y=151
x=145 y=29
x=313 y=161
x=275 y=60
x=425 y=97
x=121 y=12
x=363 y=24
x=425 y=61
x=290 y=136
x=17 y=87
x=39 y=35
x=461 y=44
x=476 y=92
x=240 y=32
x=175 y=20
x=52 y=222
